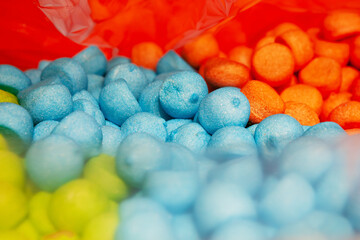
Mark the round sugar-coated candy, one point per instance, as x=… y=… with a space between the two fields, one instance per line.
x=74 y=204
x=352 y=210
x=43 y=64
x=8 y=97
x=91 y=109
x=307 y=156
x=249 y=230
x=181 y=94
x=62 y=235
x=149 y=100
x=184 y=227
x=111 y=124
x=117 y=102
x=306 y=128
x=44 y=129
x=68 y=72
x=85 y=95
x=95 y=84
x=13 y=206
x=16 y=126
x=3 y=143
x=47 y=102
x=252 y=129
x=172 y=62
x=101 y=227
x=139 y=154
x=299 y=230
x=139 y=204
x=116 y=61
x=274 y=133
x=174 y=124
x=33 y=75
x=205 y=167
x=92 y=59
x=191 y=135
x=38 y=213
x=12 y=169
x=132 y=74
x=180 y=158
x=224 y=107
x=146 y=123
x=53 y=161
x=12 y=79
x=231 y=142
x=28 y=230
x=218 y=203
x=289 y=200
x=12 y=235
x=112 y=137
x=150 y=74
x=84 y=130
x=326 y=130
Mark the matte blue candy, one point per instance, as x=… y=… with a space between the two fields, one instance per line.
x=149 y=100
x=206 y=166
x=274 y=133
x=352 y=211
x=95 y=84
x=173 y=124
x=306 y=127
x=180 y=158
x=33 y=75
x=68 y=72
x=85 y=95
x=150 y=74
x=12 y=79
x=117 y=102
x=112 y=137
x=84 y=130
x=91 y=109
x=43 y=64
x=252 y=129
x=146 y=123
x=184 y=227
x=108 y=123
x=93 y=60
x=54 y=161
x=116 y=61
x=44 y=129
x=224 y=107
x=171 y=62
x=326 y=130
x=244 y=229
x=132 y=74
x=181 y=93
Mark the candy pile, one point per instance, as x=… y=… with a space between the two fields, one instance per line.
x=138 y=149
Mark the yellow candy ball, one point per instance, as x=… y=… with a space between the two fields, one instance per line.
x=38 y=213
x=63 y=235
x=11 y=235
x=11 y=169
x=3 y=143
x=102 y=227
x=28 y=230
x=8 y=97
x=13 y=205
x=101 y=170
x=74 y=204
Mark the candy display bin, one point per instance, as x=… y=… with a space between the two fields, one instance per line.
x=179 y=120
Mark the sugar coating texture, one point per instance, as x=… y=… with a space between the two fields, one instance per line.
x=247 y=229
x=146 y=123
x=171 y=62
x=85 y=95
x=111 y=124
x=43 y=64
x=84 y=130
x=33 y=75
x=93 y=60
x=54 y=161
x=95 y=84
x=117 y=102
x=16 y=126
x=191 y=135
x=184 y=227
x=274 y=133
x=68 y=72
x=325 y=131
x=252 y=129
x=181 y=94
x=150 y=74
x=174 y=124
x=224 y=107
x=13 y=79
x=116 y=61
x=47 y=102
x=44 y=129
x=149 y=100
x=180 y=158
x=112 y=137
x=132 y=74
x=91 y=109
x=352 y=211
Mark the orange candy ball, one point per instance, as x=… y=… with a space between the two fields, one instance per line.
x=241 y=54
x=338 y=25
x=347 y=115
x=302 y=112
x=348 y=75
x=146 y=54
x=334 y=100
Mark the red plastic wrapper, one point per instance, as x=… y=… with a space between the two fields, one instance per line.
x=48 y=29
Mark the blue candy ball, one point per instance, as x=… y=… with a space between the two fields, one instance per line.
x=91 y=109
x=326 y=130
x=245 y=229
x=139 y=204
x=252 y=129
x=150 y=74
x=171 y=62
x=108 y=123
x=43 y=64
x=173 y=124
x=44 y=129
x=12 y=79
x=33 y=75
x=352 y=211
x=85 y=95
x=180 y=158
x=184 y=227
x=92 y=59
x=116 y=61
x=112 y=137
x=95 y=84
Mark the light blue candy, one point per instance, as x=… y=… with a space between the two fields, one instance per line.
x=184 y=227
x=84 y=130
x=146 y=123
x=224 y=107
x=95 y=84
x=218 y=203
x=191 y=135
x=306 y=127
x=16 y=126
x=173 y=124
x=93 y=60
x=85 y=95
x=116 y=61
x=33 y=75
x=46 y=102
x=91 y=109
x=244 y=229
x=290 y=199
x=149 y=100
x=117 y=102
x=68 y=72
x=252 y=129
x=181 y=93
x=326 y=131
x=112 y=137
x=43 y=64
x=132 y=74
x=108 y=123
x=54 y=161
x=171 y=62
x=180 y=158
x=274 y=133
x=300 y=230
x=44 y=129
x=206 y=166
x=352 y=211
x=150 y=74
x=12 y=79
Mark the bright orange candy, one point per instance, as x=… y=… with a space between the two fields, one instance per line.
x=146 y=54
x=221 y=72
x=293 y=81
x=353 y=131
x=322 y=73
x=241 y=54
x=300 y=45
x=334 y=100
x=200 y=49
x=338 y=51
x=264 y=100
x=302 y=112
x=282 y=28
x=347 y=115
x=355 y=52
x=302 y=93
x=313 y=33
x=222 y=54
x=356 y=90
x=348 y=75
x=338 y=25
x=273 y=64
x=264 y=41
